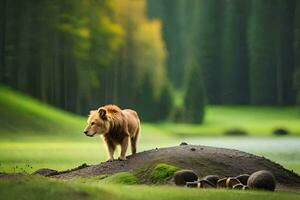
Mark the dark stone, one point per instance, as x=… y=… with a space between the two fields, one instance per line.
x=263 y=180
x=243 y=178
x=235 y=132
x=280 y=132
x=183 y=176
x=212 y=179
x=193 y=149
x=45 y=172
x=183 y=143
x=238 y=186
x=192 y=184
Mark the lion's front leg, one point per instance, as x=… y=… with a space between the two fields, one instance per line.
x=124 y=146
x=110 y=149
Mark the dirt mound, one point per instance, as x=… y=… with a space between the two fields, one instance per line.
x=203 y=160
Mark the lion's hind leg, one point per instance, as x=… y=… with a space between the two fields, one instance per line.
x=134 y=141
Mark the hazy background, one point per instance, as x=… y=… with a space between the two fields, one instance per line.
x=195 y=70
x=166 y=58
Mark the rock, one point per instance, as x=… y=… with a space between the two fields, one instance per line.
x=235 y=132
x=183 y=176
x=240 y=187
x=263 y=180
x=4 y=175
x=280 y=131
x=183 y=144
x=227 y=182
x=243 y=178
x=192 y=184
x=212 y=179
x=206 y=184
x=45 y=172
x=200 y=184
x=193 y=149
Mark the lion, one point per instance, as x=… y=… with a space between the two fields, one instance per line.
x=116 y=126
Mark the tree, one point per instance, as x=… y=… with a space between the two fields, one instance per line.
x=137 y=76
x=297 y=52
x=171 y=13
x=194 y=99
x=234 y=73
x=265 y=70
x=53 y=50
x=208 y=46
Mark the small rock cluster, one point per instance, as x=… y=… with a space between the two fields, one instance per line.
x=261 y=180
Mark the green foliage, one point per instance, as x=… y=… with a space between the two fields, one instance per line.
x=297 y=85
x=126 y=178
x=145 y=99
x=262 y=51
x=58 y=48
x=173 y=35
x=245 y=49
x=195 y=99
x=234 y=73
x=165 y=102
x=297 y=53
x=139 y=74
x=162 y=172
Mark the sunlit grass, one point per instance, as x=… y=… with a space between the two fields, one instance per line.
x=22 y=116
x=29 y=156
x=256 y=121
x=21 y=113
x=42 y=188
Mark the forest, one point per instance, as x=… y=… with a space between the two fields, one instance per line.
x=168 y=59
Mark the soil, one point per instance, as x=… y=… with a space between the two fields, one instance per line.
x=204 y=160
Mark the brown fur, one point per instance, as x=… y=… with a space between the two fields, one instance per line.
x=117 y=127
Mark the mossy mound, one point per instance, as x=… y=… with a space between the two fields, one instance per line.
x=203 y=160
x=162 y=172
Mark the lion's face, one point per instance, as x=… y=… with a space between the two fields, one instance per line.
x=97 y=123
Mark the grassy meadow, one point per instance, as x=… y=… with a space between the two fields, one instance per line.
x=42 y=188
x=34 y=135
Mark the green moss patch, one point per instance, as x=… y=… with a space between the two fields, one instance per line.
x=162 y=171
x=121 y=178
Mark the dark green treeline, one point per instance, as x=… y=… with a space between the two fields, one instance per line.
x=53 y=49
x=81 y=54
x=246 y=51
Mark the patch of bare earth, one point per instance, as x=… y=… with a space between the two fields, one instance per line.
x=203 y=160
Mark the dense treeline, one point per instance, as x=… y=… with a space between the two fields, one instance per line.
x=137 y=77
x=165 y=58
x=54 y=50
x=80 y=54
x=246 y=52
x=297 y=52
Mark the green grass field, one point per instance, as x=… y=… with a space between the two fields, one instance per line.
x=42 y=188
x=34 y=135
x=37 y=119
x=256 y=121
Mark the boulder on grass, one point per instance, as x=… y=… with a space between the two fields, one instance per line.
x=183 y=176
x=262 y=180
